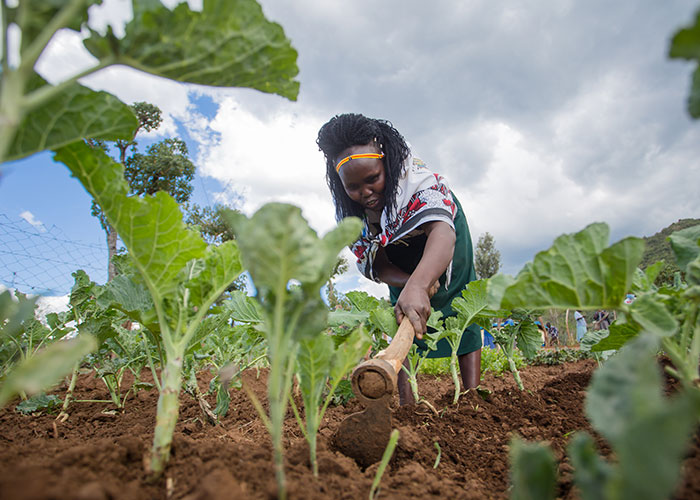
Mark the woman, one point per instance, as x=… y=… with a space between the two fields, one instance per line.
x=415 y=236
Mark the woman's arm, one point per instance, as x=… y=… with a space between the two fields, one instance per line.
x=418 y=287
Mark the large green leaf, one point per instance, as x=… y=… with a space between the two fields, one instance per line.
x=619 y=335
x=473 y=302
x=647 y=431
x=532 y=471
x=46 y=368
x=577 y=272
x=73 y=114
x=229 y=43
x=314 y=363
x=41 y=12
x=362 y=300
x=151 y=228
x=651 y=314
x=221 y=265
x=277 y=246
x=14 y=312
x=349 y=353
x=592 y=474
x=686 y=245
x=241 y=307
x=686 y=45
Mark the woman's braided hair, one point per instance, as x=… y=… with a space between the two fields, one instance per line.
x=344 y=131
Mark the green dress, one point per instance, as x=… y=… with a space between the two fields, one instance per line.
x=407 y=257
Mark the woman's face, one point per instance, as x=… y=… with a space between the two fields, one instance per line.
x=363 y=178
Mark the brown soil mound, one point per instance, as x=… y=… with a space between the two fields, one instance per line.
x=98 y=454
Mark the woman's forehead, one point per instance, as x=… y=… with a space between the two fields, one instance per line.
x=358 y=149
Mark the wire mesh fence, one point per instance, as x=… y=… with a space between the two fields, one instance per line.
x=39 y=260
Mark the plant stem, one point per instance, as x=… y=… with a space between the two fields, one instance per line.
x=455 y=375
x=167 y=413
x=71 y=388
x=516 y=373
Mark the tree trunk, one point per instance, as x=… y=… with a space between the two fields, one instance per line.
x=111 y=250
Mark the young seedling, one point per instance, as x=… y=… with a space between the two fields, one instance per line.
x=388 y=452
x=523 y=334
x=289 y=264
x=414 y=359
x=321 y=367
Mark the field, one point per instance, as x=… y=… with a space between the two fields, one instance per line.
x=98 y=454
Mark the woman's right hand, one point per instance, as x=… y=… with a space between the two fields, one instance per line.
x=414 y=303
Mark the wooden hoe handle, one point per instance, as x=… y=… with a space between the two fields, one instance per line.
x=376 y=378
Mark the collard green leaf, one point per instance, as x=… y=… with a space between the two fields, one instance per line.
x=229 y=43
x=472 y=303
x=686 y=45
x=619 y=334
x=74 y=114
x=384 y=320
x=528 y=338
x=652 y=316
x=591 y=473
x=127 y=294
x=686 y=245
x=14 y=312
x=362 y=300
x=41 y=12
x=347 y=318
x=314 y=363
x=577 y=272
x=151 y=227
x=241 y=307
x=41 y=401
x=349 y=353
x=532 y=471
x=221 y=265
x=46 y=368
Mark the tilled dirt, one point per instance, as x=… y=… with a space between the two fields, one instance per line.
x=97 y=454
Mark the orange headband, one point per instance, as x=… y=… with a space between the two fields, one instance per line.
x=355 y=157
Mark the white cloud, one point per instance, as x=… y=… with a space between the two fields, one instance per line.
x=31 y=219
x=272 y=158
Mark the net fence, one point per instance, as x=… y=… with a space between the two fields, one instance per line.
x=39 y=260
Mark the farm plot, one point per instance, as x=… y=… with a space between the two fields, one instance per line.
x=98 y=454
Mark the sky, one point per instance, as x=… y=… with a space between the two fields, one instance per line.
x=543 y=116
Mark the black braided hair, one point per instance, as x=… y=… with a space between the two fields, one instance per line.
x=344 y=131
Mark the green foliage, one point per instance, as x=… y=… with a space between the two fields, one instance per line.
x=228 y=44
x=487 y=260
x=321 y=367
x=182 y=275
x=625 y=404
x=496 y=362
x=46 y=368
x=657 y=248
x=33 y=356
x=578 y=272
x=533 y=471
x=39 y=402
x=560 y=356
x=523 y=334
x=686 y=45
x=289 y=264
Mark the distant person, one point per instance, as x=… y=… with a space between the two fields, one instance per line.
x=553 y=334
x=601 y=320
x=581 y=326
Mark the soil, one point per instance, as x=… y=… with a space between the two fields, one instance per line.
x=97 y=453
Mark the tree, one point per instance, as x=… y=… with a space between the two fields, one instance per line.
x=165 y=167
x=487 y=260
x=335 y=301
